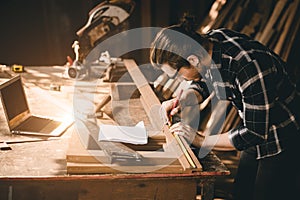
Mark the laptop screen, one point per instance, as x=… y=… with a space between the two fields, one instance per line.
x=13 y=97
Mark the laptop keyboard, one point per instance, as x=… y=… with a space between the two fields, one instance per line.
x=38 y=124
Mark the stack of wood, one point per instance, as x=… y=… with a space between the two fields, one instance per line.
x=272 y=22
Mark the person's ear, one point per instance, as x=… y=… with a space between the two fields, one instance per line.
x=193 y=60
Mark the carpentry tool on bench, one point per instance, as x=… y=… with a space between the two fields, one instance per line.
x=119 y=152
x=98 y=112
x=4 y=145
x=116 y=151
x=100 y=105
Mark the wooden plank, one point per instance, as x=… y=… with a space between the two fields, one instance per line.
x=225 y=12
x=129 y=190
x=235 y=16
x=173 y=145
x=265 y=8
x=104 y=187
x=211 y=17
x=190 y=153
x=99 y=168
x=80 y=160
x=237 y=121
x=268 y=30
x=229 y=120
x=174 y=189
x=293 y=7
x=78 y=153
x=254 y=22
x=279 y=26
x=121 y=91
x=291 y=37
x=150 y=100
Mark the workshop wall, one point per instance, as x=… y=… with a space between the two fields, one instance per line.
x=41 y=32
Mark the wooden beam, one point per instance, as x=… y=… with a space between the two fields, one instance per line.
x=152 y=103
x=225 y=12
x=268 y=30
x=150 y=99
x=292 y=9
x=79 y=154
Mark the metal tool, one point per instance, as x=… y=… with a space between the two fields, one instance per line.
x=116 y=151
x=4 y=145
x=17 y=68
x=119 y=152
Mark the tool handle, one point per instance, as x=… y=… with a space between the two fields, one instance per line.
x=175 y=104
x=105 y=101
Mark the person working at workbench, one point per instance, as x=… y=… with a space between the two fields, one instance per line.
x=255 y=80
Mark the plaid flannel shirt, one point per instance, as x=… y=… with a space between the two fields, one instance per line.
x=255 y=80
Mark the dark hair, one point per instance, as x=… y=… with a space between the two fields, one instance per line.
x=173 y=44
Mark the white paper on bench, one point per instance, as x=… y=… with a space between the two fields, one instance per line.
x=129 y=134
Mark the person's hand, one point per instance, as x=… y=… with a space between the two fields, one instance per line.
x=166 y=110
x=188 y=98
x=190 y=134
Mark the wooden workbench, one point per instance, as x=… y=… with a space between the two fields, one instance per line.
x=37 y=169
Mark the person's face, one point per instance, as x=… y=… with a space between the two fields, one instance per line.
x=187 y=73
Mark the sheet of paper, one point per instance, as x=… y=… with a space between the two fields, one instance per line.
x=128 y=134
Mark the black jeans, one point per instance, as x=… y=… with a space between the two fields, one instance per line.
x=273 y=178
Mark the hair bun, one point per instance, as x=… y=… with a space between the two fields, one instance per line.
x=188 y=22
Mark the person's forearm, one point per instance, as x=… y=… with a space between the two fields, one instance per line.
x=219 y=141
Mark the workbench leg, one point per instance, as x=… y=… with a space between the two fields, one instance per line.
x=207 y=190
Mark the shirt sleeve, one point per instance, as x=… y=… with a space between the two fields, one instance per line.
x=257 y=92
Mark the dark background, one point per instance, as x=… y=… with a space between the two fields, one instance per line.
x=41 y=32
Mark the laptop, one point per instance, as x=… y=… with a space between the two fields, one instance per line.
x=20 y=119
